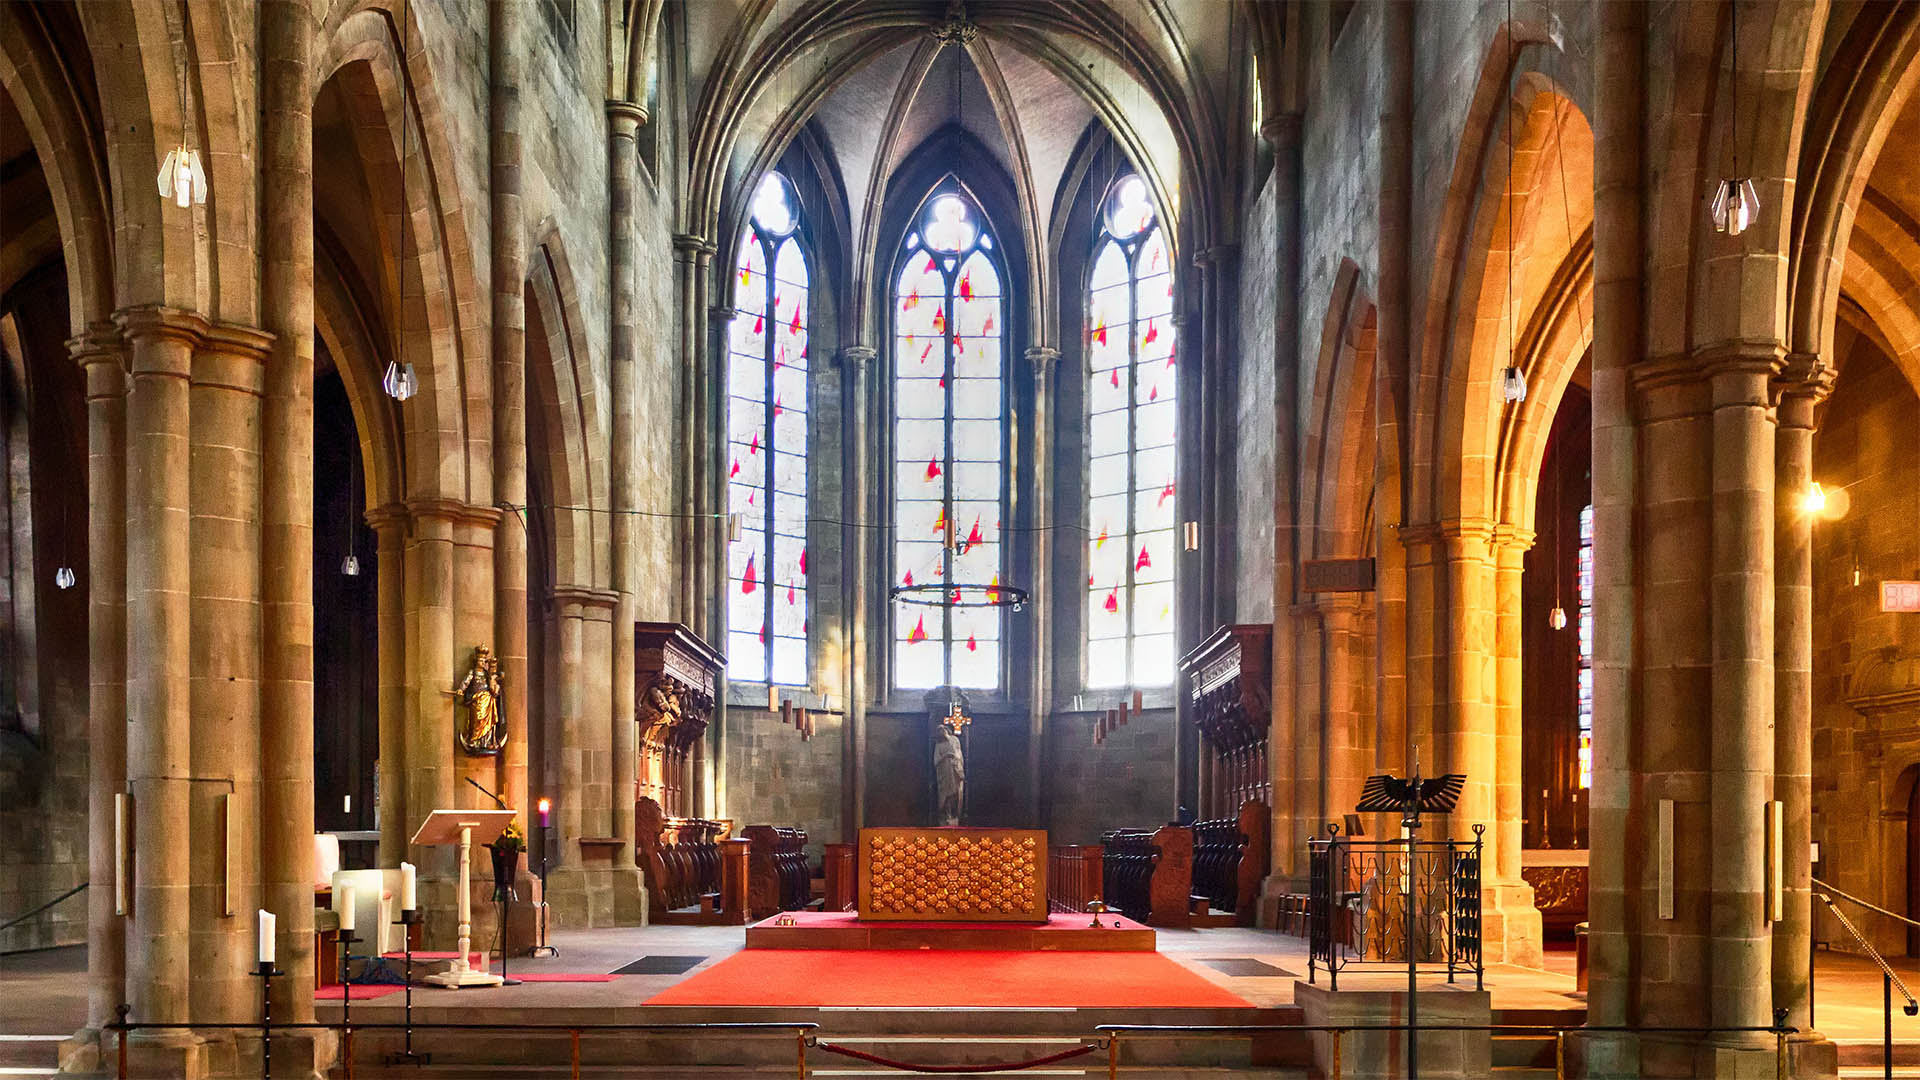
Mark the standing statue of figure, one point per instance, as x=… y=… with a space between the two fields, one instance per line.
x=483 y=692
x=949 y=774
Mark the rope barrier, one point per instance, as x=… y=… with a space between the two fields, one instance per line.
x=875 y=1059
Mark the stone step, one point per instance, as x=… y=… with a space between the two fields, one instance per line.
x=1864 y=1052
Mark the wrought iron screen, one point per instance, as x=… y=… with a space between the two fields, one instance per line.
x=1358 y=892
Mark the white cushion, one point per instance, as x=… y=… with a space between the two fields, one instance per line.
x=374 y=894
x=326 y=858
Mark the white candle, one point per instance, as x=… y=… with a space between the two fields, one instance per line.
x=406 y=886
x=266 y=938
x=346 y=803
x=343 y=903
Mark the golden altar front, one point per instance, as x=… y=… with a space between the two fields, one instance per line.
x=953 y=875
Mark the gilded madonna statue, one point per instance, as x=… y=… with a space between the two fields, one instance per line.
x=483 y=692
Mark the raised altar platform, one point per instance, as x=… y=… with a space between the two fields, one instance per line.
x=847 y=930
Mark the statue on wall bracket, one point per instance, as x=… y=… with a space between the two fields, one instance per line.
x=483 y=693
x=947 y=708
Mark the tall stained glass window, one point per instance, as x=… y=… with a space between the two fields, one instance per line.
x=1130 y=437
x=949 y=444
x=767 y=445
x=1585 y=579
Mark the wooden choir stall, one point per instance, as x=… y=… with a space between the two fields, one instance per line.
x=1229 y=677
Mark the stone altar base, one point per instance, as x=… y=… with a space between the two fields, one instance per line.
x=845 y=930
x=1382 y=1055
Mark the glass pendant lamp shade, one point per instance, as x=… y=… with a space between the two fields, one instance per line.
x=1557 y=618
x=1513 y=384
x=63 y=577
x=350 y=566
x=181 y=178
x=1735 y=206
x=400 y=382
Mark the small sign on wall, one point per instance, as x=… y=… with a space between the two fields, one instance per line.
x=1900 y=596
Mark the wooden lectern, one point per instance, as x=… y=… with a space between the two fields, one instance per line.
x=463 y=827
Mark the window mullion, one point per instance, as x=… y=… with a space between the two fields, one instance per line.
x=766 y=411
x=1133 y=449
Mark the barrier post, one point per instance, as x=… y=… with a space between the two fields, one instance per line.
x=573 y=1041
x=1113 y=1056
x=1336 y=1054
x=800 y=1038
x=1560 y=1055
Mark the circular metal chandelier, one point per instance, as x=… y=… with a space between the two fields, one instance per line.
x=960 y=595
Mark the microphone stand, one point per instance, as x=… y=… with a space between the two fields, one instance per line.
x=503 y=889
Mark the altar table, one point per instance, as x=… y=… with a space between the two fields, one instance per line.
x=953 y=875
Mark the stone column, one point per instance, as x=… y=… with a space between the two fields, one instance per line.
x=1393 y=739
x=286 y=548
x=857 y=370
x=571 y=746
x=431 y=669
x=474 y=623
x=1806 y=383
x=692 y=256
x=506 y=52
x=1742 y=715
x=1510 y=546
x=1511 y=920
x=100 y=353
x=390 y=524
x=159 y=639
x=225 y=479
x=1282 y=131
x=709 y=755
x=1619 y=258
x=623 y=122
x=1045 y=362
x=1346 y=744
x=1424 y=556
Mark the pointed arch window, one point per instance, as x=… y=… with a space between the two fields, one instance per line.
x=1130 y=441
x=767 y=445
x=949 y=405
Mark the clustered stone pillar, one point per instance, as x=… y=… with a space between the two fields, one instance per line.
x=286 y=542
x=1805 y=384
x=1742 y=687
x=1044 y=361
x=100 y=352
x=390 y=524
x=506 y=52
x=159 y=632
x=857 y=368
x=225 y=478
x=1282 y=131
x=623 y=123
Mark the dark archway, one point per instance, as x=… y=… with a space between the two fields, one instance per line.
x=346 y=632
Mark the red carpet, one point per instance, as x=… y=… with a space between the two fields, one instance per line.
x=923 y=978
x=360 y=993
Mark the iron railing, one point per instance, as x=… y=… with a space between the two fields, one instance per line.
x=1113 y=1035
x=1888 y=980
x=1358 y=894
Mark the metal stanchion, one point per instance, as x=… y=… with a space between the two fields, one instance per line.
x=409 y=919
x=265 y=973
x=122 y=1012
x=800 y=1041
x=1560 y=1055
x=1336 y=1054
x=573 y=1054
x=1113 y=1057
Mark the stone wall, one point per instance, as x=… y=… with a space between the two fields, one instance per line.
x=1253 y=466
x=1866 y=663
x=1124 y=782
x=777 y=778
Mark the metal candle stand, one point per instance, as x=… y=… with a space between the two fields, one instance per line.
x=265 y=973
x=543 y=949
x=347 y=941
x=409 y=919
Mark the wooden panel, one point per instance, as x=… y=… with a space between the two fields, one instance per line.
x=953 y=875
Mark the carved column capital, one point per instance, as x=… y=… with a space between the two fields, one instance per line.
x=102 y=356
x=858 y=358
x=1803 y=383
x=692 y=246
x=625 y=117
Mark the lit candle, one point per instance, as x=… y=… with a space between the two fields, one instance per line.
x=546 y=812
x=346 y=804
x=343 y=903
x=406 y=886
x=266 y=938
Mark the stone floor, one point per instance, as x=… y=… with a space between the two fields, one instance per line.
x=42 y=995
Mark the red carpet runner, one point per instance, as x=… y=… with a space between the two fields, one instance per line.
x=923 y=978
